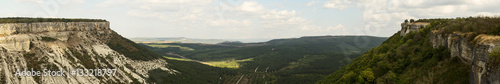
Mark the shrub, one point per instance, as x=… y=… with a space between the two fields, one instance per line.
x=495 y=54
x=48 y=38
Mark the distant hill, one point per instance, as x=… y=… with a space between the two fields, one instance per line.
x=302 y=60
x=42 y=44
x=175 y=40
x=192 y=40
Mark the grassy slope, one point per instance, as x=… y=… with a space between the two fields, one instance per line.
x=411 y=59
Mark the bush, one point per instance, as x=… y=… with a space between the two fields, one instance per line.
x=48 y=39
x=495 y=54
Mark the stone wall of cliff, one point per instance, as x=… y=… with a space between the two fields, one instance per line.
x=22 y=43
x=474 y=53
x=74 y=45
x=415 y=26
x=37 y=27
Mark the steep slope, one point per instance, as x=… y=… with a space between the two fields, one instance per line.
x=433 y=51
x=71 y=44
x=295 y=60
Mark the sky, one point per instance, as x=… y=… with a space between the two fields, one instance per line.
x=251 y=19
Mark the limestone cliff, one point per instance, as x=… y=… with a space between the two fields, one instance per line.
x=68 y=46
x=473 y=54
x=414 y=26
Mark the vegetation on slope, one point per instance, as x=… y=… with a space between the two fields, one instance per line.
x=411 y=59
x=48 y=38
x=190 y=73
x=301 y=60
x=31 y=20
x=129 y=48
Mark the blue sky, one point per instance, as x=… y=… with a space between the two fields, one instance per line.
x=246 y=19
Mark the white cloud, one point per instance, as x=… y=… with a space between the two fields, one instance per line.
x=230 y=22
x=337 y=4
x=311 y=28
x=111 y=3
x=250 y=6
x=274 y=14
x=310 y=3
x=339 y=29
x=248 y=19
x=382 y=16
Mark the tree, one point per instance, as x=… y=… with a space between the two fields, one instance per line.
x=368 y=74
x=411 y=20
x=406 y=21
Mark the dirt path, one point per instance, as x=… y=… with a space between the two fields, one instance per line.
x=240 y=79
x=170 y=53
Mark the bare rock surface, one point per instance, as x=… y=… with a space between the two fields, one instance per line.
x=74 y=45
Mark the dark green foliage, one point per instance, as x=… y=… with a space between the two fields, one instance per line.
x=495 y=54
x=34 y=61
x=412 y=59
x=411 y=20
x=129 y=48
x=233 y=43
x=190 y=73
x=494 y=58
x=48 y=38
x=199 y=48
x=302 y=60
x=85 y=59
x=477 y=25
x=31 y=20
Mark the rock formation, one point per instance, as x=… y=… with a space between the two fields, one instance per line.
x=474 y=53
x=414 y=26
x=67 y=46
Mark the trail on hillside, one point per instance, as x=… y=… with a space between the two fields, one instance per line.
x=183 y=57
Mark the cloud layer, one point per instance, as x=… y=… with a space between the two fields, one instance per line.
x=240 y=19
x=244 y=19
x=382 y=16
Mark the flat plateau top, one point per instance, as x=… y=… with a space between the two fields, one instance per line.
x=419 y=23
x=31 y=20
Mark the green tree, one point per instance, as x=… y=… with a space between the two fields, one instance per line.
x=368 y=75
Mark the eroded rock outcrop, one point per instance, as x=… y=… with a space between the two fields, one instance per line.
x=67 y=46
x=414 y=26
x=472 y=51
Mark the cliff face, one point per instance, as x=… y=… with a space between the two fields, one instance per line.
x=476 y=55
x=38 y=27
x=67 y=46
x=415 y=26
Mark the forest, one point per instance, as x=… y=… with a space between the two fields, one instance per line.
x=302 y=60
x=412 y=59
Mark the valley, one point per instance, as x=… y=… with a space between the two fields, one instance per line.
x=296 y=60
x=448 y=50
